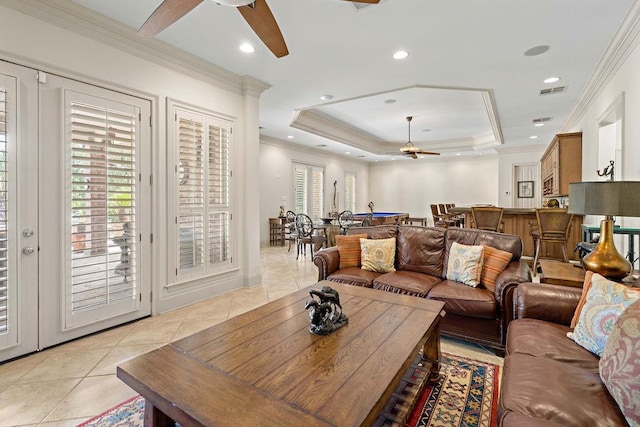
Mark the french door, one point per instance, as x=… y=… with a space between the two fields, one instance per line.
x=77 y=210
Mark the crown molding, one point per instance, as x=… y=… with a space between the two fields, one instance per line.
x=622 y=45
x=275 y=142
x=85 y=22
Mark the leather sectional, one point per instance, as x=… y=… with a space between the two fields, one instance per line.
x=473 y=314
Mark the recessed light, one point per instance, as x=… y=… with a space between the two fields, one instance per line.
x=290 y=136
x=389 y=101
x=347 y=152
x=401 y=54
x=533 y=137
x=326 y=97
x=247 y=48
x=539 y=125
x=536 y=50
x=551 y=79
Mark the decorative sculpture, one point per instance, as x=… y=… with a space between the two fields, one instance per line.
x=370 y=205
x=325 y=312
x=608 y=171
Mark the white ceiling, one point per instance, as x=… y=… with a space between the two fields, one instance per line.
x=466 y=79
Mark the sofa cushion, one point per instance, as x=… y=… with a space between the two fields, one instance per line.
x=549 y=340
x=354 y=276
x=564 y=393
x=375 y=232
x=620 y=364
x=349 y=249
x=464 y=300
x=465 y=264
x=494 y=263
x=586 y=285
x=421 y=249
x=606 y=300
x=406 y=282
x=378 y=255
x=520 y=420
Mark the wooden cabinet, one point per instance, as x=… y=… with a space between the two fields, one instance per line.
x=561 y=164
x=276 y=231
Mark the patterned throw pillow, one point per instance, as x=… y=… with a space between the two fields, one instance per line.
x=378 y=255
x=493 y=263
x=620 y=364
x=606 y=300
x=349 y=249
x=583 y=298
x=465 y=264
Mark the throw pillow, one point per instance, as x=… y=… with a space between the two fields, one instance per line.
x=620 y=364
x=585 y=288
x=465 y=264
x=493 y=263
x=378 y=254
x=349 y=249
x=606 y=300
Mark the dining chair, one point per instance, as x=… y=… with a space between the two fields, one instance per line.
x=487 y=218
x=440 y=220
x=444 y=211
x=307 y=234
x=345 y=220
x=368 y=220
x=553 y=226
x=290 y=230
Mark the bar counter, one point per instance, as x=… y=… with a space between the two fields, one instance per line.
x=518 y=221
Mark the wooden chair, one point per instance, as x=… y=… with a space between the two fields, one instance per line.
x=487 y=218
x=440 y=220
x=444 y=211
x=368 y=221
x=306 y=235
x=345 y=220
x=553 y=226
x=290 y=230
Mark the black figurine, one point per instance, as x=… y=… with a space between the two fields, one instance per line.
x=326 y=312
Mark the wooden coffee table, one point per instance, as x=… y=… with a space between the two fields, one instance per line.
x=561 y=273
x=264 y=368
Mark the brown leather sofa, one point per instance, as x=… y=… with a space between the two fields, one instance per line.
x=472 y=314
x=548 y=380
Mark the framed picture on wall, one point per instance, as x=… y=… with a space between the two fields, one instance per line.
x=525 y=189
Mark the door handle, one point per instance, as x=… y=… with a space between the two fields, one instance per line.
x=27 y=251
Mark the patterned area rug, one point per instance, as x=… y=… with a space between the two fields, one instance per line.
x=466 y=396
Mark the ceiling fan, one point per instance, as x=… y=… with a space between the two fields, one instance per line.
x=255 y=12
x=411 y=150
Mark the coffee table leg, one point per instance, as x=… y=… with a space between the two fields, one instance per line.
x=431 y=354
x=154 y=417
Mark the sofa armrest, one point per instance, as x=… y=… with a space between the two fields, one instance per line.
x=517 y=271
x=328 y=261
x=543 y=301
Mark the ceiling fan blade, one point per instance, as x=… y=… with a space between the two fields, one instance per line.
x=431 y=153
x=261 y=20
x=365 y=1
x=166 y=14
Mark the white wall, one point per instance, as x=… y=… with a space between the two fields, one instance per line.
x=276 y=180
x=31 y=42
x=506 y=182
x=407 y=185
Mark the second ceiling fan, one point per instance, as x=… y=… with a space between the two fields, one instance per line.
x=256 y=13
x=411 y=150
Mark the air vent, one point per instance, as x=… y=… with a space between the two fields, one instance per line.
x=553 y=90
x=361 y=156
x=542 y=120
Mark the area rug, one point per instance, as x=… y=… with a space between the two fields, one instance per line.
x=466 y=396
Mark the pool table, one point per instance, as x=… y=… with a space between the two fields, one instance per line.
x=380 y=218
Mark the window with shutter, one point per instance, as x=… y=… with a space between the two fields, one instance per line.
x=102 y=182
x=350 y=192
x=4 y=285
x=308 y=188
x=203 y=185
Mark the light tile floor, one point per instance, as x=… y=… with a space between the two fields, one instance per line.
x=68 y=384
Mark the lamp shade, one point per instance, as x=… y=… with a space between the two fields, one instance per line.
x=611 y=198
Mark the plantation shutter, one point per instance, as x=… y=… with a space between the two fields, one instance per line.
x=191 y=193
x=317 y=178
x=300 y=189
x=204 y=193
x=102 y=182
x=219 y=207
x=4 y=279
x=350 y=192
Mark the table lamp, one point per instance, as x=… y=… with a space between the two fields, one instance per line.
x=608 y=198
